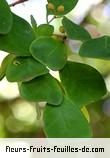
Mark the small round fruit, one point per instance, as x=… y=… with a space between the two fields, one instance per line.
x=50 y=6
x=60 y=8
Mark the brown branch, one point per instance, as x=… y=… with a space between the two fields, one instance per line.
x=17 y=2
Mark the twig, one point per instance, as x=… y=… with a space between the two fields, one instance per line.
x=47 y=18
x=52 y=19
x=17 y=2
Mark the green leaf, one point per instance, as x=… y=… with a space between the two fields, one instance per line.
x=33 y=23
x=24 y=69
x=68 y=6
x=18 y=40
x=82 y=83
x=75 y=31
x=5 y=64
x=44 y=88
x=44 y=30
x=65 y=121
x=6 y=18
x=51 y=52
x=96 y=48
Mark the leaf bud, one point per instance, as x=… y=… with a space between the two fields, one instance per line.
x=61 y=29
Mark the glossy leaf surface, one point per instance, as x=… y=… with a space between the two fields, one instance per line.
x=65 y=121
x=5 y=64
x=44 y=88
x=18 y=40
x=82 y=83
x=6 y=18
x=44 y=30
x=75 y=31
x=96 y=48
x=49 y=52
x=24 y=69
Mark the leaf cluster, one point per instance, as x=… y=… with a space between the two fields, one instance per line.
x=35 y=50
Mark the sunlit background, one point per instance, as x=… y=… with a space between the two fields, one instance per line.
x=18 y=118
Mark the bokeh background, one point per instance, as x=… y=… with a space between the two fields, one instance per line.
x=19 y=118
